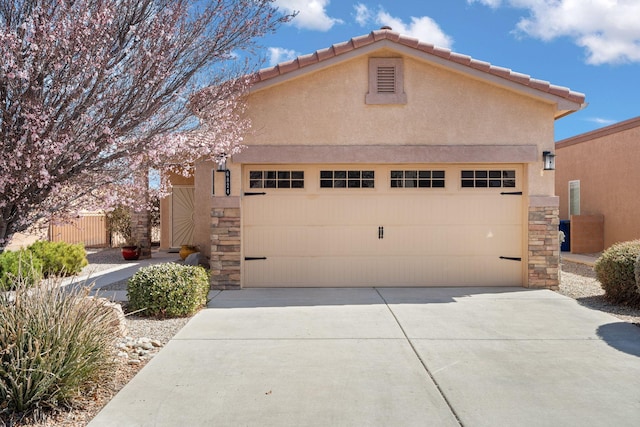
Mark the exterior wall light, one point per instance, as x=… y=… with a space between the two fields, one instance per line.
x=221 y=160
x=222 y=163
x=549 y=160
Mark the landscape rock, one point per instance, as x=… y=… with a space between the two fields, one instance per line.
x=138 y=349
x=114 y=309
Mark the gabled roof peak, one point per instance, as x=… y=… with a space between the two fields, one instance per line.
x=385 y=33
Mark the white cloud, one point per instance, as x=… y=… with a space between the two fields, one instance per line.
x=363 y=14
x=312 y=14
x=423 y=28
x=279 y=54
x=607 y=29
x=601 y=121
x=491 y=3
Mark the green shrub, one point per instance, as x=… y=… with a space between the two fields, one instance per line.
x=55 y=344
x=19 y=266
x=615 y=271
x=60 y=258
x=168 y=290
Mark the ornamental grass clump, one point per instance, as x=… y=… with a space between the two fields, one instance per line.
x=615 y=271
x=55 y=344
x=168 y=290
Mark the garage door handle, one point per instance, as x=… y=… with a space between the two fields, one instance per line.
x=380 y=232
x=511 y=193
x=254 y=258
x=510 y=258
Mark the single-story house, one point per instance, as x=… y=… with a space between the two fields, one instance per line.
x=383 y=161
x=597 y=180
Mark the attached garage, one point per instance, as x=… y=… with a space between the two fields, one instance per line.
x=385 y=161
x=382 y=225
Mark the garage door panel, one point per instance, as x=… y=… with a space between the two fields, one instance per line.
x=311 y=241
x=430 y=237
x=447 y=209
x=391 y=271
x=499 y=240
x=343 y=210
x=454 y=240
x=311 y=211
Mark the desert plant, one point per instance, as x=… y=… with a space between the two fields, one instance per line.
x=59 y=258
x=615 y=271
x=19 y=266
x=168 y=290
x=55 y=344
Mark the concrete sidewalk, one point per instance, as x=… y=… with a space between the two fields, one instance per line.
x=124 y=271
x=389 y=357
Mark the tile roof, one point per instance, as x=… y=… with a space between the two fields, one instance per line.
x=446 y=54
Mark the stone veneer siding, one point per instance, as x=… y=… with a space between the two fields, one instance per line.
x=141 y=232
x=544 y=247
x=225 y=248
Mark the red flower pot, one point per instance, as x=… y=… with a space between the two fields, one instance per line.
x=130 y=253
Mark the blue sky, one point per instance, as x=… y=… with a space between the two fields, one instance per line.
x=590 y=46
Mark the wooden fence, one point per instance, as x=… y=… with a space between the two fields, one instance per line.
x=91 y=230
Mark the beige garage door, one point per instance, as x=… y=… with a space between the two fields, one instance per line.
x=382 y=226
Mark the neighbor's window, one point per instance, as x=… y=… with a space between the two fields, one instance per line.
x=417 y=179
x=386 y=81
x=276 y=179
x=488 y=178
x=347 y=179
x=574 y=198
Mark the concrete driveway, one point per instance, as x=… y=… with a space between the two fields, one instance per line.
x=389 y=357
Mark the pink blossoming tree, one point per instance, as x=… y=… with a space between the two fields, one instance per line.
x=95 y=93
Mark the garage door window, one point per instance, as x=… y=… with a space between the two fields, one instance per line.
x=488 y=178
x=417 y=179
x=276 y=179
x=347 y=179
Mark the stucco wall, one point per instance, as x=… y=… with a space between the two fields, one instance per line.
x=606 y=163
x=327 y=107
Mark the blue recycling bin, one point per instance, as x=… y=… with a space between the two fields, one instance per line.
x=565 y=227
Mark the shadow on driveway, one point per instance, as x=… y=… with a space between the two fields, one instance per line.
x=622 y=336
x=308 y=297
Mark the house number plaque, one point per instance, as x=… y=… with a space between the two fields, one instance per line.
x=227 y=182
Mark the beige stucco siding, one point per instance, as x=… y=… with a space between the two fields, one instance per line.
x=606 y=164
x=327 y=107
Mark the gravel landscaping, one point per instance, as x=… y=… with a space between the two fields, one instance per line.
x=146 y=336
x=579 y=281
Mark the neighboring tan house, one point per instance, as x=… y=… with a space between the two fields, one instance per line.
x=597 y=180
x=383 y=161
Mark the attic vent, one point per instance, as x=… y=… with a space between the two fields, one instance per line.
x=386 y=81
